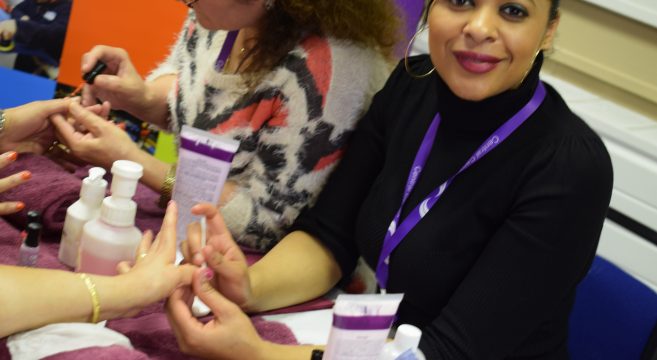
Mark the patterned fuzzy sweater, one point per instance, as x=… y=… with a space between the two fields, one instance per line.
x=293 y=126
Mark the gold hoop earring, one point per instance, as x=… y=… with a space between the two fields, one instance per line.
x=531 y=66
x=408 y=48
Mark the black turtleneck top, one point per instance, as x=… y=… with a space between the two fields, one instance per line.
x=491 y=270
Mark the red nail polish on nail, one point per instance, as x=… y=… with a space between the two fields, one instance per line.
x=12 y=156
x=26 y=175
x=20 y=206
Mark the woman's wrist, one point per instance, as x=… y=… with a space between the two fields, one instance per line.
x=153 y=107
x=120 y=295
x=251 y=303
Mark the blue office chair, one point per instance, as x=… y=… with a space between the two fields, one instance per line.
x=614 y=316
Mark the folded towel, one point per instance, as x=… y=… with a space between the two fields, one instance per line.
x=51 y=190
x=64 y=337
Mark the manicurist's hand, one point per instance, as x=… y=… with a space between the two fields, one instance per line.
x=222 y=255
x=229 y=335
x=123 y=87
x=100 y=142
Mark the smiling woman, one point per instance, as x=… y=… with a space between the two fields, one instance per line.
x=488 y=47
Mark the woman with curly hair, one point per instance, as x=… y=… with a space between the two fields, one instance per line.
x=298 y=75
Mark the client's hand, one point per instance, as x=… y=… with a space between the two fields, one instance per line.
x=10 y=207
x=154 y=275
x=221 y=254
x=27 y=128
x=229 y=335
x=101 y=144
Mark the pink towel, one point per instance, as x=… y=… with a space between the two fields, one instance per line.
x=50 y=190
x=151 y=333
x=100 y=353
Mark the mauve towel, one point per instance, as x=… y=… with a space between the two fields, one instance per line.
x=50 y=190
x=100 y=353
x=151 y=333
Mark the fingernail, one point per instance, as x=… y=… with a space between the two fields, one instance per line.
x=208 y=274
x=20 y=206
x=12 y=156
x=26 y=175
x=170 y=202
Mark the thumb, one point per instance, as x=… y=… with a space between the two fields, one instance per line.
x=219 y=305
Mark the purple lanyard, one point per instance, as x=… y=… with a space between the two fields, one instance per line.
x=225 y=50
x=395 y=235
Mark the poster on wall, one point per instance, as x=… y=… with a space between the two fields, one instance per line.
x=32 y=34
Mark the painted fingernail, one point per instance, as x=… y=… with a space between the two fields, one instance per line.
x=208 y=274
x=20 y=206
x=12 y=156
x=26 y=175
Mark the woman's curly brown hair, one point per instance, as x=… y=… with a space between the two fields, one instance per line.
x=372 y=23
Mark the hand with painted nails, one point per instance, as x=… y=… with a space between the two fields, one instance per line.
x=221 y=254
x=27 y=128
x=10 y=207
x=91 y=138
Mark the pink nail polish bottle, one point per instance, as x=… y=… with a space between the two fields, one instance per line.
x=29 y=252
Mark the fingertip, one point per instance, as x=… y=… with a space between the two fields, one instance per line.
x=11 y=155
x=123 y=267
x=198 y=259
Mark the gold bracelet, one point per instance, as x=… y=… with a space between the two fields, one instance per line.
x=95 y=303
x=167 y=187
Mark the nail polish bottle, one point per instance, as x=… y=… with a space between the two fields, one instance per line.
x=29 y=252
x=33 y=216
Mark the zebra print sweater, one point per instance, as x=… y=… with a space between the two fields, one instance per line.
x=293 y=125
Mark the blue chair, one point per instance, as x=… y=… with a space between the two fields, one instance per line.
x=614 y=316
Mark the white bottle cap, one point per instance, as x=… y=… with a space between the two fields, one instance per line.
x=407 y=337
x=125 y=175
x=118 y=211
x=93 y=187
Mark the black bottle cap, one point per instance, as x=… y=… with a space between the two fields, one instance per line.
x=33 y=234
x=317 y=354
x=33 y=216
x=97 y=70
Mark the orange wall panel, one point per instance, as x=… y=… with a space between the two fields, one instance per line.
x=145 y=28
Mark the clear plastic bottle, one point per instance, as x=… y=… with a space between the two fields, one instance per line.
x=405 y=345
x=86 y=208
x=113 y=237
